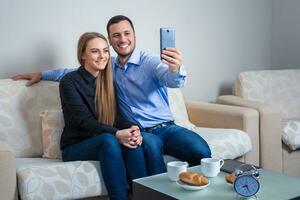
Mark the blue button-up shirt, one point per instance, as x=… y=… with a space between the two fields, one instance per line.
x=141 y=87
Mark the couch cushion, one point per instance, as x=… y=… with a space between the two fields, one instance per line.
x=52 y=127
x=20 y=107
x=178 y=108
x=291 y=133
x=279 y=88
x=41 y=178
x=226 y=143
x=49 y=179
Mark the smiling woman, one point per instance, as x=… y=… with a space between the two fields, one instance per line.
x=95 y=56
x=89 y=109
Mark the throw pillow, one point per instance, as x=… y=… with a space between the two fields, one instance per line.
x=52 y=127
x=291 y=133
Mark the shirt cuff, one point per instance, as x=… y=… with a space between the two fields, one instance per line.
x=181 y=71
x=46 y=75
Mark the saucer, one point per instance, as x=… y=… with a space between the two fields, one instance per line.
x=229 y=184
x=190 y=187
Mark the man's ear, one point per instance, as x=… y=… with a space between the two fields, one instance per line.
x=109 y=41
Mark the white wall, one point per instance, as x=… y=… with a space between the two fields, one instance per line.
x=218 y=38
x=286 y=34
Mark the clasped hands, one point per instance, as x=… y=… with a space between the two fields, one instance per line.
x=130 y=137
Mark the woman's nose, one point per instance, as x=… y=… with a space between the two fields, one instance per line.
x=100 y=55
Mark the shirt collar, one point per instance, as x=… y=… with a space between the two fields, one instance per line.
x=89 y=78
x=133 y=59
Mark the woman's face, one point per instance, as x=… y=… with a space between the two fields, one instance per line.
x=96 y=55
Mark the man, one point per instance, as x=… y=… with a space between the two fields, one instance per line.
x=141 y=82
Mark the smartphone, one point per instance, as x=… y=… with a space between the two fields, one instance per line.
x=167 y=38
x=230 y=165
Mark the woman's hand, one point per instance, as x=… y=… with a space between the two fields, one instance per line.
x=136 y=137
x=130 y=137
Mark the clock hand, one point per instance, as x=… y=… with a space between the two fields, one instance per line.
x=246 y=186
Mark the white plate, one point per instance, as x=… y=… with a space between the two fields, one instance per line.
x=191 y=187
x=229 y=184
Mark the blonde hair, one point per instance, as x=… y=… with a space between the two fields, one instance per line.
x=105 y=100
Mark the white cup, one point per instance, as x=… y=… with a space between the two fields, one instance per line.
x=174 y=168
x=210 y=167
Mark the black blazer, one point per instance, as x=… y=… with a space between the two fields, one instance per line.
x=77 y=92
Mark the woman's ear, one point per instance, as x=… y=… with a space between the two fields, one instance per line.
x=83 y=56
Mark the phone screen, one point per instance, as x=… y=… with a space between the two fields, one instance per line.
x=230 y=165
x=167 y=38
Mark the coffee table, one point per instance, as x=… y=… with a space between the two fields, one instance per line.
x=158 y=187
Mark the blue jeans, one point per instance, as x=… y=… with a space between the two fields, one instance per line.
x=106 y=148
x=176 y=141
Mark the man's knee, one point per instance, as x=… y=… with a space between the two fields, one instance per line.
x=152 y=142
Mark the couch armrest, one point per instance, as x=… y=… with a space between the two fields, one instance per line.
x=8 y=180
x=270 y=130
x=225 y=116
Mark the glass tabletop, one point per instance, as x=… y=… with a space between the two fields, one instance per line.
x=273 y=186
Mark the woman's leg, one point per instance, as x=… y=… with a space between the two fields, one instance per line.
x=105 y=148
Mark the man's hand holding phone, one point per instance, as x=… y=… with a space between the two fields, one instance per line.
x=172 y=57
x=169 y=54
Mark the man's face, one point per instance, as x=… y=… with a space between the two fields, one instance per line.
x=122 y=38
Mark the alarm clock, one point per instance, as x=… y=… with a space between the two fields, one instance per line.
x=246 y=183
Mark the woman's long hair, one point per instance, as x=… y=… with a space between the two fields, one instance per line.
x=105 y=100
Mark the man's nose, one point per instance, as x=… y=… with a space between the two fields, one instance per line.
x=122 y=37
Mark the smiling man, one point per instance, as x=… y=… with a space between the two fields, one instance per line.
x=141 y=81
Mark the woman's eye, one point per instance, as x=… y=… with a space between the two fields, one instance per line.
x=94 y=51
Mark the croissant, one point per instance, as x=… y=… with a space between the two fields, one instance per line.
x=193 y=178
x=230 y=178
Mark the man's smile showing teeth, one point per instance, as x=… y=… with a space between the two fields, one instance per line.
x=123 y=45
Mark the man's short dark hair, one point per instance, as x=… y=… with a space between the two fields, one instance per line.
x=116 y=19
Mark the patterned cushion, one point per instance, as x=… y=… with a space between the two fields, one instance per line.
x=52 y=127
x=60 y=180
x=279 y=88
x=291 y=133
x=178 y=108
x=226 y=143
x=20 y=107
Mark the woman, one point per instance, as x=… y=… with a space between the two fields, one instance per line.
x=89 y=108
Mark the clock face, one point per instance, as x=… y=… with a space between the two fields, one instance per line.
x=246 y=185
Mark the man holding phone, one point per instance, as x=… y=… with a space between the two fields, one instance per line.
x=140 y=81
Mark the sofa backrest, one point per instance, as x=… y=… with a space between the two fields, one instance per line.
x=21 y=106
x=279 y=88
x=20 y=109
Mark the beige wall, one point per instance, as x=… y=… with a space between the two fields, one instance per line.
x=218 y=38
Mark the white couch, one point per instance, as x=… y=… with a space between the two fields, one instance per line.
x=25 y=173
x=275 y=94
